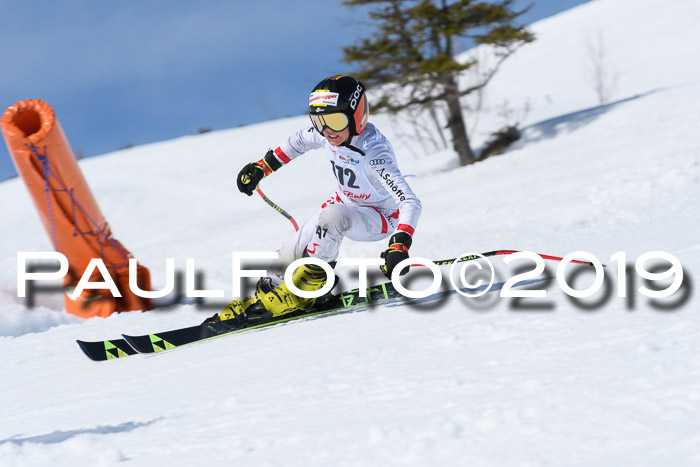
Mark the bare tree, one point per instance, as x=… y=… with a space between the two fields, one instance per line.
x=600 y=72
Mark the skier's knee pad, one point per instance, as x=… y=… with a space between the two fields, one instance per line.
x=334 y=217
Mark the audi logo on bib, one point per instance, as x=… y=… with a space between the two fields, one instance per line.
x=377 y=162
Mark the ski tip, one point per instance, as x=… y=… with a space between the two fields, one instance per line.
x=134 y=343
x=82 y=344
x=89 y=351
x=148 y=343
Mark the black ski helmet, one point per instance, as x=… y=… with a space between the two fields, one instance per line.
x=340 y=94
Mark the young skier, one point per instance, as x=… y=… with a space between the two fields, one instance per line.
x=373 y=200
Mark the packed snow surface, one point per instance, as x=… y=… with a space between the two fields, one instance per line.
x=540 y=381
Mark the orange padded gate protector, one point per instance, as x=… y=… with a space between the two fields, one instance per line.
x=69 y=212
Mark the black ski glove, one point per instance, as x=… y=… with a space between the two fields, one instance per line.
x=399 y=244
x=249 y=178
x=251 y=175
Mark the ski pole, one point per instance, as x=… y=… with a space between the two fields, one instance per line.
x=277 y=208
x=461 y=259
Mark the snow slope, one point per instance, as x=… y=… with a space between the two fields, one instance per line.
x=457 y=384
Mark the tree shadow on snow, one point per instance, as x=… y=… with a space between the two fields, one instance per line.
x=61 y=436
x=567 y=123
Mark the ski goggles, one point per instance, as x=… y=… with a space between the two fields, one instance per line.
x=336 y=121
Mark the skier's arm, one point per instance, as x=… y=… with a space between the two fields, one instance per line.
x=297 y=144
x=383 y=170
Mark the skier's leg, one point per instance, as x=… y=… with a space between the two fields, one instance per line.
x=333 y=223
x=337 y=221
x=248 y=308
x=319 y=237
x=322 y=234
